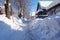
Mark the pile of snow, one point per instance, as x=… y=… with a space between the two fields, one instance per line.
x=46 y=29
x=9 y=22
x=32 y=29
x=11 y=30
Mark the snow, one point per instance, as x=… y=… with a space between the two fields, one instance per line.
x=11 y=30
x=45 y=3
x=46 y=29
x=9 y=22
x=32 y=29
x=53 y=4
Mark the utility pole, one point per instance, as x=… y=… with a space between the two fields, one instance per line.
x=7 y=8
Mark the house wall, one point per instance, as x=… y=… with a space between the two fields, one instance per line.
x=54 y=10
x=49 y=13
x=57 y=9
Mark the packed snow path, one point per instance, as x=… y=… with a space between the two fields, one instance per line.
x=36 y=29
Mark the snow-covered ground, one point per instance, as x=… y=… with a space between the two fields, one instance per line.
x=13 y=29
x=46 y=29
x=32 y=29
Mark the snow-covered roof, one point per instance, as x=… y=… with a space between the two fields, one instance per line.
x=45 y=3
x=43 y=7
x=53 y=4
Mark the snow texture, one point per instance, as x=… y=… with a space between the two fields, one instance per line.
x=36 y=29
x=53 y=4
x=12 y=31
x=46 y=29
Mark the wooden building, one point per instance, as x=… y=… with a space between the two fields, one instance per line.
x=41 y=12
x=53 y=8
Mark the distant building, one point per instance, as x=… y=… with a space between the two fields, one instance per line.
x=53 y=8
x=41 y=12
x=38 y=6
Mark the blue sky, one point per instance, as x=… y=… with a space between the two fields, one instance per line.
x=46 y=0
x=1 y=2
x=33 y=7
x=35 y=2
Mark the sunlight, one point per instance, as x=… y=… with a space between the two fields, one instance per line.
x=33 y=13
x=45 y=3
x=49 y=18
x=57 y=17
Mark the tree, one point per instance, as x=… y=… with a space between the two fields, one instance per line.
x=0 y=10
x=7 y=8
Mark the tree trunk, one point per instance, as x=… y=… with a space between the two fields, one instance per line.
x=7 y=9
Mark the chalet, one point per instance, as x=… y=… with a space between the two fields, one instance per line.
x=53 y=8
x=41 y=12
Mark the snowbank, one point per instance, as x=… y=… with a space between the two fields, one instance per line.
x=46 y=29
x=36 y=29
x=11 y=30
